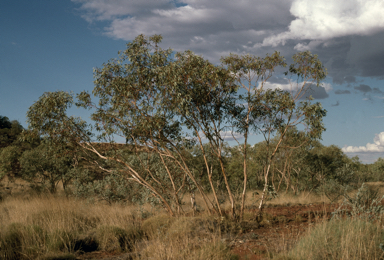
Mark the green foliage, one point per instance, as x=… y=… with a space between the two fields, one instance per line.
x=47 y=119
x=46 y=165
x=111 y=188
x=366 y=204
x=9 y=161
x=9 y=131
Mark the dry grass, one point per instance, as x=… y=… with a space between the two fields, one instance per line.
x=347 y=239
x=303 y=198
x=44 y=226
x=183 y=238
x=185 y=247
x=56 y=227
x=252 y=200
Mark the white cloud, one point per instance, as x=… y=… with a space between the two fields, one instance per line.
x=228 y=136
x=325 y=19
x=320 y=92
x=283 y=86
x=376 y=147
x=327 y=86
x=225 y=135
x=101 y=10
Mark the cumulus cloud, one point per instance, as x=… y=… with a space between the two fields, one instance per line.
x=339 y=92
x=319 y=20
x=376 y=147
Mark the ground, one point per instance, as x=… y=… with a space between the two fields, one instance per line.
x=281 y=229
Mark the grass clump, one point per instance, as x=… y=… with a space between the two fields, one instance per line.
x=19 y=241
x=116 y=239
x=191 y=226
x=186 y=247
x=54 y=227
x=340 y=239
x=156 y=225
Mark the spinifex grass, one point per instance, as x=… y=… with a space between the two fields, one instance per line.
x=345 y=239
x=61 y=228
x=45 y=226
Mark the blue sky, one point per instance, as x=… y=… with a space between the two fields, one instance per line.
x=50 y=45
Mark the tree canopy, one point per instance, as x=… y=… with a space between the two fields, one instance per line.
x=9 y=131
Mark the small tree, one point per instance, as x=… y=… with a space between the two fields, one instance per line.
x=9 y=162
x=47 y=165
x=9 y=131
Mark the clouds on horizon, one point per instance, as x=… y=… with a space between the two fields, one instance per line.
x=376 y=147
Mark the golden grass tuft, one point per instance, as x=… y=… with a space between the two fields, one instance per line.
x=347 y=239
x=45 y=226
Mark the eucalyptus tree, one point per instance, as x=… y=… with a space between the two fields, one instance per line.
x=139 y=101
x=47 y=165
x=272 y=112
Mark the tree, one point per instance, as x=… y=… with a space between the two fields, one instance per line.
x=47 y=165
x=11 y=148
x=164 y=106
x=273 y=112
x=9 y=131
x=9 y=161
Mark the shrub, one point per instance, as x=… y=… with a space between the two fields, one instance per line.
x=366 y=204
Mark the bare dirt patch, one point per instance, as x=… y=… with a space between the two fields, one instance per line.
x=279 y=230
